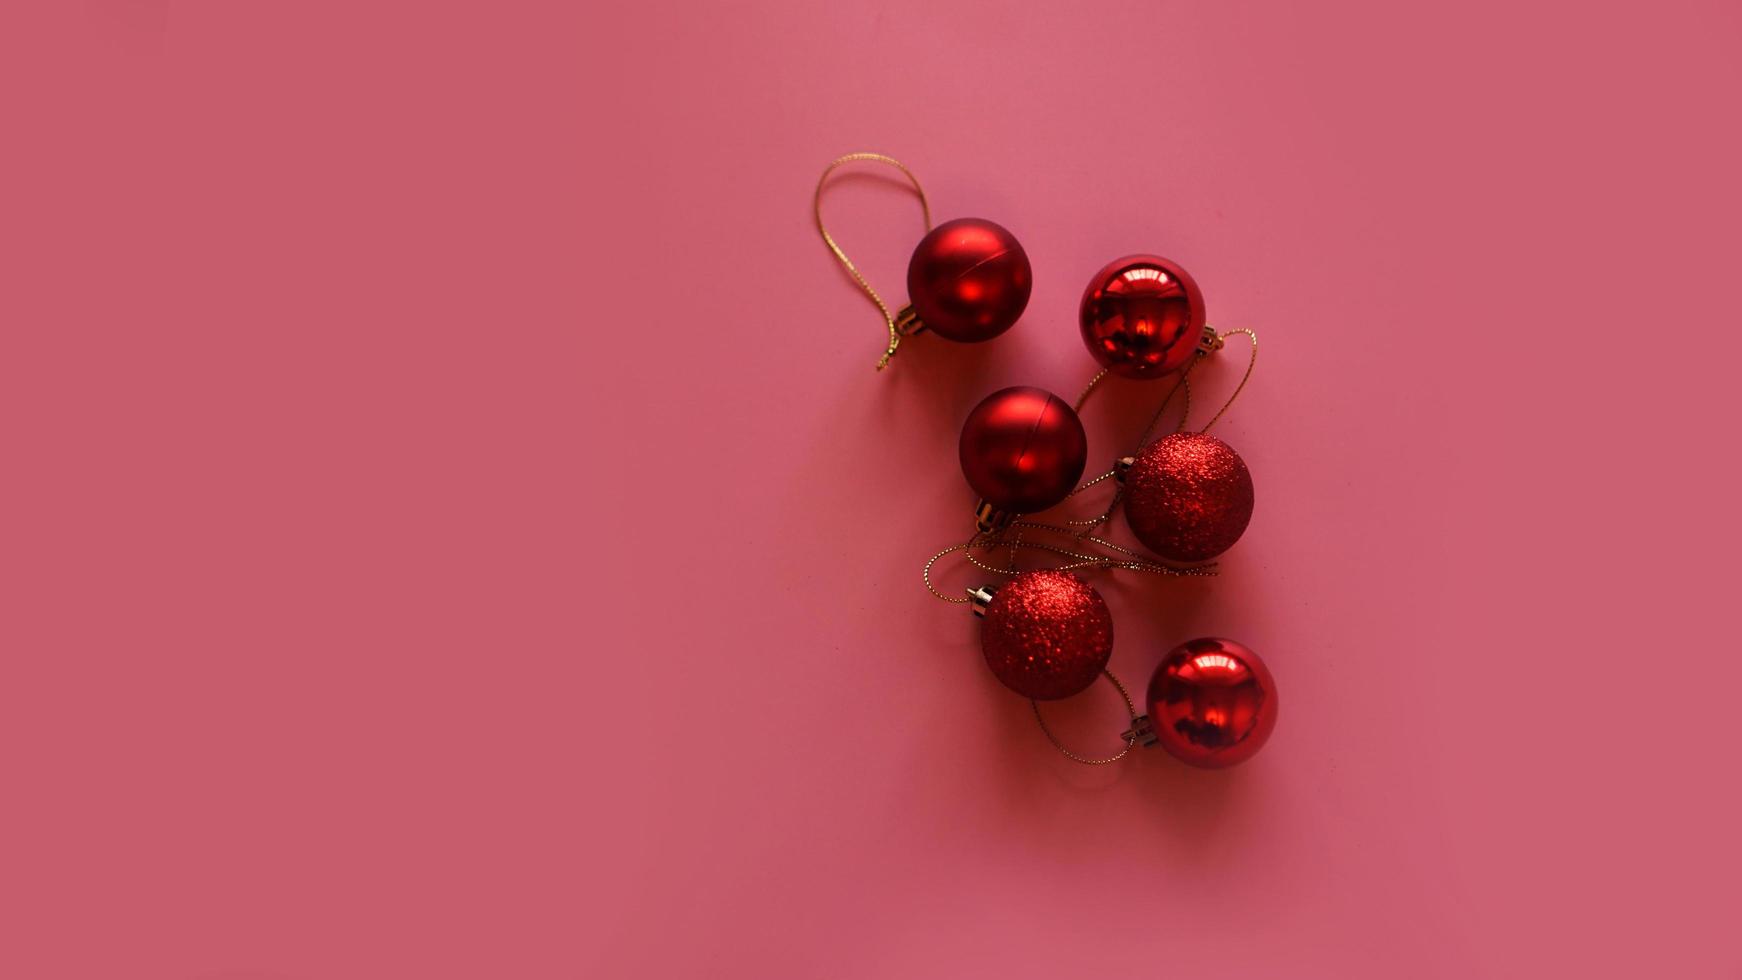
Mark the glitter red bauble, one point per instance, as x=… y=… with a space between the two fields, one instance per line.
x=1142 y=316
x=1047 y=635
x=969 y=280
x=1023 y=449
x=1188 y=497
x=1212 y=702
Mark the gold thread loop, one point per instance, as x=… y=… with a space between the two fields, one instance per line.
x=1083 y=399
x=1110 y=474
x=1131 y=562
x=1090 y=523
x=1079 y=557
x=1129 y=737
x=895 y=333
x=1089 y=389
x=1184 y=384
x=933 y=560
x=1251 y=362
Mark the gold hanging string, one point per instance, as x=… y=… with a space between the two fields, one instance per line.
x=1078 y=559
x=1250 y=363
x=1085 y=559
x=853 y=270
x=933 y=560
x=1129 y=737
x=1082 y=399
x=1183 y=384
x=1090 y=523
x=1103 y=477
x=1089 y=389
x=1131 y=560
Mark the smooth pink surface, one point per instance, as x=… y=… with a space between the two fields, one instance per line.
x=452 y=528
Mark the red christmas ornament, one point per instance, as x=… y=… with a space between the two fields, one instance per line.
x=968 y=280
x=1023 y=450
x=1188 y=497
x=1046 y=634
x=1212 y=703
x=1142 y=316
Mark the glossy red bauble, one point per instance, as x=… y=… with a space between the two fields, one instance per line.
x=1212 y=702
x=1046 y=635
x=969 y=280
x=1023 y=450
x=1188 y=497
x=1142 y=316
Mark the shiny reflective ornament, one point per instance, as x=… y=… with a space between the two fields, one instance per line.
x=1023 y=450
x=1046 y=634
x=1142 y=316
x=1212 y=703
x=968 y=280
x=1188 y=497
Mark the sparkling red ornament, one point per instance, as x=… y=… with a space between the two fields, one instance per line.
x=1212 y=703
x=1023 y=449
x=1046 y=634
x=1142 y=316
x=1188 y=497
x=969 y=280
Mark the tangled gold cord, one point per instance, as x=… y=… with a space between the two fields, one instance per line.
x=853 y=270
x=1123 y=558
x=1129 y=737
x=1090 y=523
x=1251 y=362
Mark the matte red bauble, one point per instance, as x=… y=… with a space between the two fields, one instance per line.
x=1023 y=450
x=1142 y=316
x=969 y=280
x=1212 y=702
x=1188 y=497
x=1046 y=635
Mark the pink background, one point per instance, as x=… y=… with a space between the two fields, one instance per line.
x=452 y=527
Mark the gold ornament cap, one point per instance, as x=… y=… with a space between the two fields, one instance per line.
x=1209 y=341
x=989 y=518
